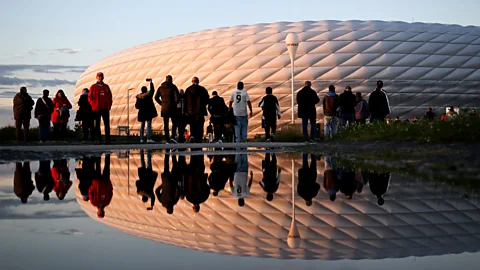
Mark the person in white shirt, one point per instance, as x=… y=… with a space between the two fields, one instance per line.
x=239 y=100
x=240 y=186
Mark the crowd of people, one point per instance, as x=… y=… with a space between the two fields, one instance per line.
x=190 y=107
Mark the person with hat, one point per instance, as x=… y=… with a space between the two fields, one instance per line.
x=100 y=98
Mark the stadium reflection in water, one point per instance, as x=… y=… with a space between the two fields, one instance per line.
x=242 y=204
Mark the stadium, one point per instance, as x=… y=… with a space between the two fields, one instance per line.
x=422 y=65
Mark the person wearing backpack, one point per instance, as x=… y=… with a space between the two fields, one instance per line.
x=361 y=109
x=60 y=115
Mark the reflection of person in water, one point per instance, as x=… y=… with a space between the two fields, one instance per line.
x=197 y=190
x=379 y=183
x=22 y=181
x=178 y=173
x=219 y=175
x=330 y=179
x=85 y=176
x=147 y=178
x=348 y=185
x=61 y=176
x=44 y=180
x=240 y=186
x=168 y=193
x=101 y=190
x=271 y=175
x=307 y=179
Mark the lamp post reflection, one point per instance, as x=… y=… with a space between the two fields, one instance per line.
x=293 y=239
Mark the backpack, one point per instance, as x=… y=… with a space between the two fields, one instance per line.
x=361 y=110
x=64 y=112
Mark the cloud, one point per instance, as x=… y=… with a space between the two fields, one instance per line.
x=11 y=94
x=66 y=50
x=9 y=69
x=33 y=82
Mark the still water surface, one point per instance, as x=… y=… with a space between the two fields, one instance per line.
x=230 y=210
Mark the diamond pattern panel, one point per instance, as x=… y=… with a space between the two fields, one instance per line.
x=429 y=56
x=417 y=219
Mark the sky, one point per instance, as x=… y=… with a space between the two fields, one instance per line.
x=39 y=37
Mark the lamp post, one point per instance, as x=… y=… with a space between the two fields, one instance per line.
x=292 y=42
x=293 y=239
x=128 y=111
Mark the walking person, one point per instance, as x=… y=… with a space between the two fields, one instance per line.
x=22 y=113
x=271 y=111
x=85 y=115
x=167 y=97
x=44 y=179
x=361 y=109
x=330 y=106
x=43 y=113
x=196 y=101
x=146 y=111
x=219 y=175
x=307 y=98
x=178 y=119
x=347 y=102
x=378 y=104
x=239 y=100
x=60 y=115
x=218 y=110
x=100 y=97
x=240 y=186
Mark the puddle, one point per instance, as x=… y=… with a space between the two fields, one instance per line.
x=251 y=205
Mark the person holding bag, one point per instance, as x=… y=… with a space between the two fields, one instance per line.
x=61 y=114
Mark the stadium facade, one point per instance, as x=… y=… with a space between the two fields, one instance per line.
x=422 y=65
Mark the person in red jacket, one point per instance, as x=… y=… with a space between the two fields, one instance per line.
x=61 y=176
x=100 y=97
x=101 y=190
x=60 y=115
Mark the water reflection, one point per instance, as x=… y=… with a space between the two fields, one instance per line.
x=264 y=204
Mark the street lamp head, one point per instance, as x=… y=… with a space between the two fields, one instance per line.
x=292 y=42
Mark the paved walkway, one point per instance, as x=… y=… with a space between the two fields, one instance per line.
x=105 y=147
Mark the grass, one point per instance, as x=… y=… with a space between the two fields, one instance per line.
x=465 y=129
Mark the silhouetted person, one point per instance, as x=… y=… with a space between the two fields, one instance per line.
x=196 y=101
x=271 y=175
x=146 y=111
x=60 y=115
x=101 y=190
x=378 y=104
x=168 y=193
x=61 y=176
x=101 y=99
x=330 y=106
x=240 y=186
x=85 y=115
x=218 y=110
x=219 y=176
x=361 y=109
x=179 y=121
x=330 y=179
x=44 y=179
x=197 y=190
x=22 y=113
x=147 y=178
x=271 y=111
x=379 y=183
x=85 y=176
x=167 y=97
x=348 y=185
x=347 y=102
x=307 y=179
x=22 y=181
x=179 y=171
x=43 y=113
x=307 y=99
